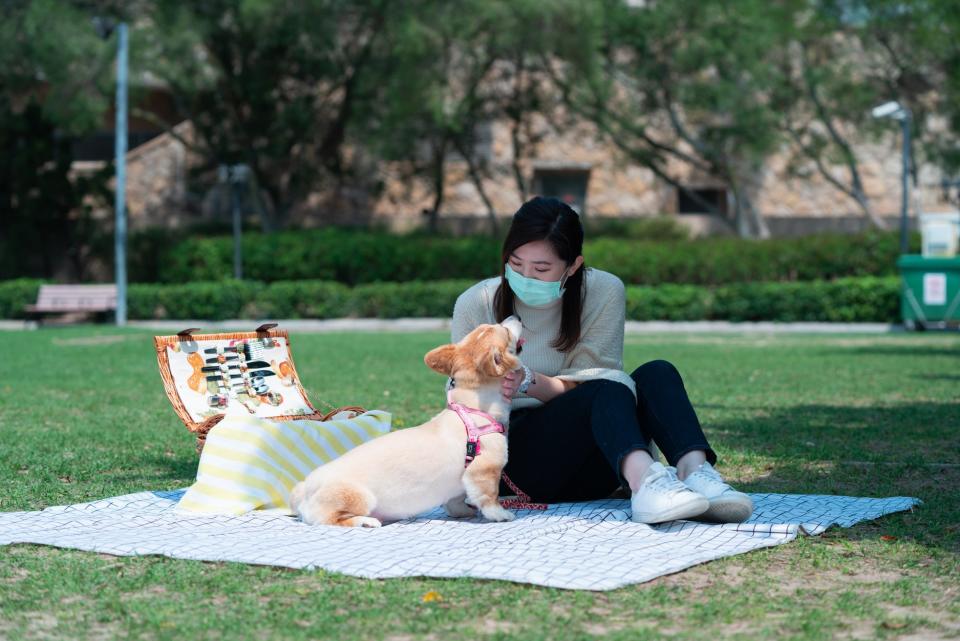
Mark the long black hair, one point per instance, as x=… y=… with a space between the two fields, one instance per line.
x=554 y=221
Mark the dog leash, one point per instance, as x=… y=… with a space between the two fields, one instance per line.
x=522 y=502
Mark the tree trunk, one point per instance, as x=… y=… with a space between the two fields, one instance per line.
x=515 y=162
x=867 y=209
x=439 y=164
x=748 y=221
x=478 y=184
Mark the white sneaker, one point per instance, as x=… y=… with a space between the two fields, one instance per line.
x=726 y=504
x=662 y=497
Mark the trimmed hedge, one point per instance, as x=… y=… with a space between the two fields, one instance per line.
x=721 y=261
x=867 y=299
x=346 y=256
x=354 y=257
x=15 y=295
x=849 y=300
x=294 y=299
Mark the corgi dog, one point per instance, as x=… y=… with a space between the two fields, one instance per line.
x=442 y=462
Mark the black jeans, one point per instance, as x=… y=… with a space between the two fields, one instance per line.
x=570 y=448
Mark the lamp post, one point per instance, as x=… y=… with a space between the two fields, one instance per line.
x=120 y=151
x=104 y=27
x=896 y=111
x=237 y=176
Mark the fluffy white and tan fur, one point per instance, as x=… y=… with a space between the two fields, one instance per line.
x=407 y=472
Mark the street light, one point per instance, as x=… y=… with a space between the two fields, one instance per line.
x=104 y=27
x=238 y=176
x=896 y=111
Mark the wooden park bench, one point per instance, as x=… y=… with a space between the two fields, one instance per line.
x=74 y=300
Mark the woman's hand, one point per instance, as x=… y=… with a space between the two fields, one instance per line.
x=510 y=384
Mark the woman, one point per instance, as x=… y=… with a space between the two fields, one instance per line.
x=580 y=426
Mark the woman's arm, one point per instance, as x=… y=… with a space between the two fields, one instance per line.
x=543 y=387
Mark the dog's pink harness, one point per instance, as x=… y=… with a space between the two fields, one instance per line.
x=473 y=432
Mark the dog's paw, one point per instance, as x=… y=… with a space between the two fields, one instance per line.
x=364 y=521
x=497 y=513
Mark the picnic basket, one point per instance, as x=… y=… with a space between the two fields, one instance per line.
x=208 y=377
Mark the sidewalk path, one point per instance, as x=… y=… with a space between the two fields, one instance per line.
x=443 y=325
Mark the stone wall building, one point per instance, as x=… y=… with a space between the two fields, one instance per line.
x=574 y=165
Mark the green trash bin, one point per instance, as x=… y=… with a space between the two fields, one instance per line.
x=930 y=296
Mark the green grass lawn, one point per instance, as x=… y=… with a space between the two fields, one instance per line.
x=83 y=416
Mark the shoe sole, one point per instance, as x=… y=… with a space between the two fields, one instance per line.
x=730 y=511
x=692 y=508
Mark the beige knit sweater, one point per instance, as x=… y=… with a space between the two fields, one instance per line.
x=599 y=354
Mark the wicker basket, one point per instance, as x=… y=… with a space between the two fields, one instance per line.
x=204 y=428
x=200 y=423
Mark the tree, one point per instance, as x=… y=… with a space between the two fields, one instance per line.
x=823 y=98
x=456 y=68
x=681 y=83
x=433 y=101
x=276 y=86
x=54 y=74
x=915 y=53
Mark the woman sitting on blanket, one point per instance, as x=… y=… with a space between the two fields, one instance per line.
x=580 y=426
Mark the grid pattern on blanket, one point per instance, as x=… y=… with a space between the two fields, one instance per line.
x=592 y=546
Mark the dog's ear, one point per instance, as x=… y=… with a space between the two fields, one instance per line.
x=499 y=362
x=441 y=359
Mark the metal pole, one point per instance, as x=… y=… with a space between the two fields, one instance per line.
x=905 y=185
x=120 y=234
x=235 y=177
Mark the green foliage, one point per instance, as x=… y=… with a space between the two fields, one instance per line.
x=844 y=300
x=278 y=87
x=15 y=295
x=49 y=50
x=849 y=300
x=400 y=300
x=342 y=255
x=54 y=71
x=716 y=261
x=46 y=212
x=668 y=302
x=304 y=299
x=354 y=256
x=454 y=68
x=198 y=300
x=685 y=81
x=293 y=299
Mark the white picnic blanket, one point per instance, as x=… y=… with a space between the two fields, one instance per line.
x=588 y=546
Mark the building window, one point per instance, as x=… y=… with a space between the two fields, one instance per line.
x=568 y=185
x=101 y=146
x=687 y=204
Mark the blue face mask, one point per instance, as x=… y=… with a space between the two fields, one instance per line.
x=532 y=291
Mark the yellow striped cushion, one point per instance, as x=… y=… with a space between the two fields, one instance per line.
x=251 y=463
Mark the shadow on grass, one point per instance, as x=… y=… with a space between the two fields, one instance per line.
x=938 y=377
x=900 y=350
x=910 y=449
x=163 y=468
x=908 y=432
